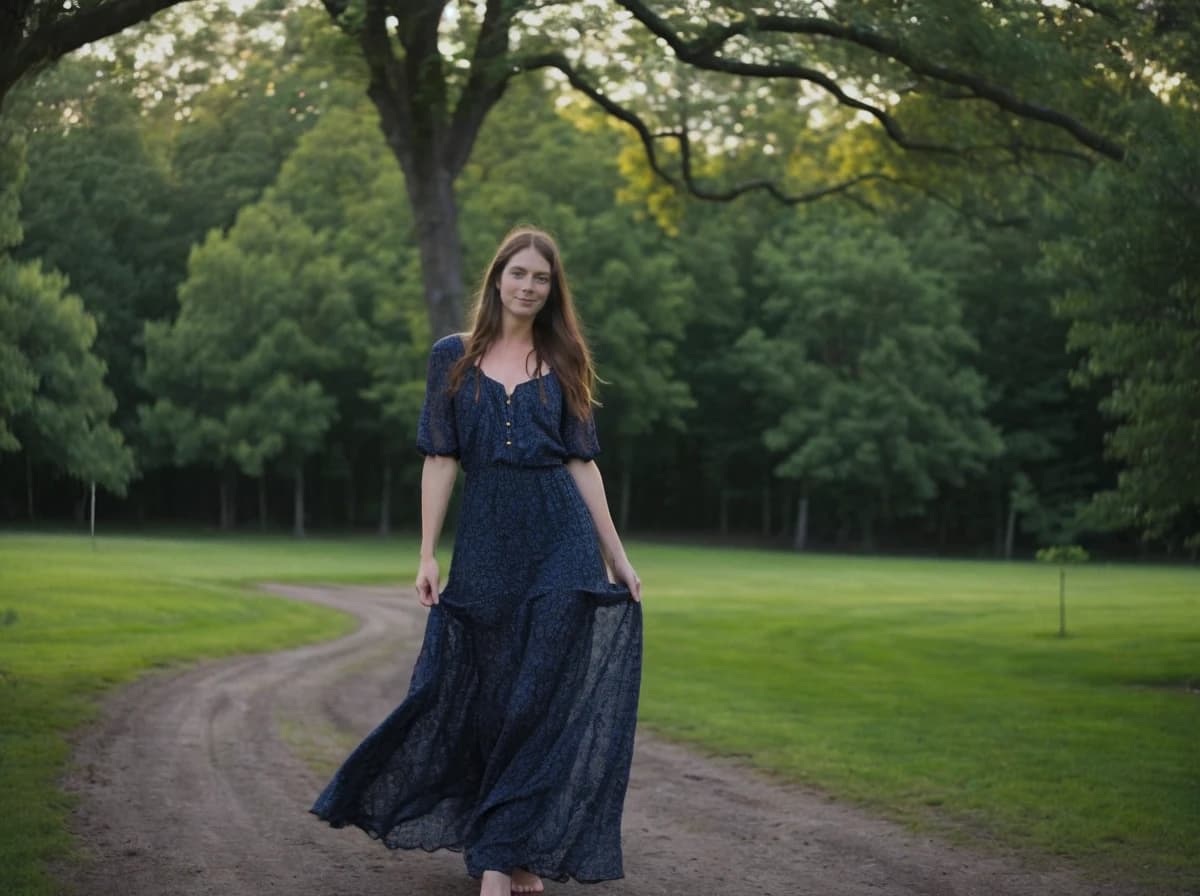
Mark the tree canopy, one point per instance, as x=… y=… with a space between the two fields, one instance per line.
x=990 y=164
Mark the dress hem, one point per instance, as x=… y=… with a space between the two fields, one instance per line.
x=559 y=877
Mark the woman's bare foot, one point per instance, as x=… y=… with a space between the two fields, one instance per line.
x=526 y=881
x=495 y=883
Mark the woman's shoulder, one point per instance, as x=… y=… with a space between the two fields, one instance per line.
x=452 y=346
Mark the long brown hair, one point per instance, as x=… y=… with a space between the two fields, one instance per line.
x=557 y=336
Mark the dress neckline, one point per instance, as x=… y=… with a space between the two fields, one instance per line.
x=524 y=382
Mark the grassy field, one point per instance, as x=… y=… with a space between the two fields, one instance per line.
x=937 y=692
x=934 y=692
x=75 y=621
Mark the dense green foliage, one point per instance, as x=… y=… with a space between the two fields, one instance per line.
x=896 y=371
x=874 y=337
x=54 y=405
x=1135 y=309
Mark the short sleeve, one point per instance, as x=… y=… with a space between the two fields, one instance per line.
x=437 y=432
x=579 y=436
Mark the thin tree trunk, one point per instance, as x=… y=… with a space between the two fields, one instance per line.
x=998 y=525
x=800 y=541
x=228 y=493
x=298 y=502
x=843 y=530
x=724 y=524
x=385 y=500
x=1062 y=601
x=1010 y=530
x=29 y=486
x=351 y=504
x=867 y=521
x=626 y=484
x=262 y=501
x=766 y=507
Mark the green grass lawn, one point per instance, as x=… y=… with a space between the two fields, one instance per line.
x=934 y=692
x=937 y=692
x=75 y=621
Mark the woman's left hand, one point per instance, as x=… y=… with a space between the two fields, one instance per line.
x=625 y=575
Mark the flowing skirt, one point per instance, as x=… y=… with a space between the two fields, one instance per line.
x=515 y=740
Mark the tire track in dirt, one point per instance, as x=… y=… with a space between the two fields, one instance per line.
x=191 y=783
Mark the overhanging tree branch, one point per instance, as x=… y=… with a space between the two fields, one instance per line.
x=489 y=75
x=34 y=34
x=686 y=180
x=703 y=53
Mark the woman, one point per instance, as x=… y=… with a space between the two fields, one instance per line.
x=515 y=740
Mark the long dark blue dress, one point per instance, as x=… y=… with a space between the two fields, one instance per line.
x=515 y=740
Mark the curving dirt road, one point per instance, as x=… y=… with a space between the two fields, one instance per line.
x=199 y=783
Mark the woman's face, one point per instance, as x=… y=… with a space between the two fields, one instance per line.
x=525 y=284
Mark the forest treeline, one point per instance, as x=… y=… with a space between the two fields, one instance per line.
x=213 y=307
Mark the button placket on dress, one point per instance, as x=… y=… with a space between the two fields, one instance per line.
x=508 y=419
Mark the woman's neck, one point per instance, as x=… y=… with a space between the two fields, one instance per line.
x=515 y=332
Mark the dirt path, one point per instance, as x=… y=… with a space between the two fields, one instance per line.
x=191 y=784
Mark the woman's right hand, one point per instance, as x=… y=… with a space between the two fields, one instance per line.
x=427 y=581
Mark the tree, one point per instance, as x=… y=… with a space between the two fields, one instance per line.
x=342 y=184
x=54 y=405
x=435 y=76
x=264 y=316
x=138 y=155
x=97 y=180
x=866 y=367
x=1136 y=315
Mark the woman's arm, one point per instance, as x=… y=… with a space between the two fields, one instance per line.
x=591 y=488
x=437 y=482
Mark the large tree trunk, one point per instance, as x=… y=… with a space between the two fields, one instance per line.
x=431 y=140
x=298 y=502
x=385 y=500
x=435 y=212
x=430 y=187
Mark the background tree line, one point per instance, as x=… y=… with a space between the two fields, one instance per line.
x=216 y=303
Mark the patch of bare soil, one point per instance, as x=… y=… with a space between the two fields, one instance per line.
x=197 y=783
